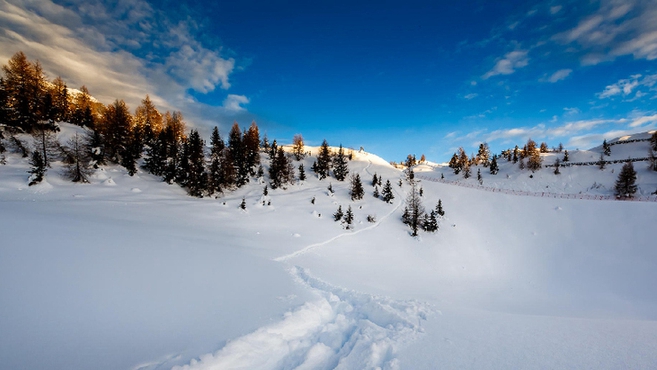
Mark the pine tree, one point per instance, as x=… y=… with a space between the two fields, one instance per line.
x=400 y=183
x=494 y=168
x=375 y=180
x=197 y=178
x=348 y=218
x=323 y=161
x=430 y=223
x=337 y=216
x=515 y=154
x=265 y=192
x=243 y=204
x=340 y=167
x=115 y=129
x=406 y=216
x=652 y=159
x=626 y=182
x=302 y=173
x=251 y=149
x=479 y=178
x=601 y=162
x=148 y=119
x=280 y=171
x=156 y=154
x=565 y=156
x=215 y=178
x=439 y=208
x=79 y=168
x=653 y=140
x=376 y=192
x=330 y=188
x=606 y=148
x=544 y=147
x=238 y=153
x=356 y=192
x=38 y=169
x=557 y=164
x=388 y=196
x=521 y=165
x=483 y=154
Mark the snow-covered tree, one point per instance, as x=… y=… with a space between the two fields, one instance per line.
x=626 y=182
x=348 y=218
x=337 y=216
x=38 y=169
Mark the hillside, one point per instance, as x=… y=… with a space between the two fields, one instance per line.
x=128 y=272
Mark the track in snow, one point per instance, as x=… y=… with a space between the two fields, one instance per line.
x=341 y=329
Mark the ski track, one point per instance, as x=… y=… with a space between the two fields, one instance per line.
x=376 y=224
x=341 y=329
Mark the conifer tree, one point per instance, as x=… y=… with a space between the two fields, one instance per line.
x=252 y=148
x=400 y=183
x=606 y=148
x=356 y=192
x=565 y=156
x=601 y=162
x=227 y=169
x=521 y=165
x=430 y=222
x=340 y=167
x=330 y=188
x=479 y=178
x=265 y=144
x=238 y=153
x=215 y=174
x=415 y=209
x=483 y=154
x=273 y=149
x=115 y=129
x=337 y=216
x=243 y=204
x=557 y=164
x=406 y=216
x=380 y=180
x=38 y=169
x=515 y=154
x=197 y=177
x=148 y=120
x=544 y=147
x=348 y=218
x=60 y=100
x=323 y=161
x=265 y=192
x=454 y=164
x=280 y=170
x=388 y=196
x=302 y=173
x=652 y=159
x=376 y=192
x=375 y=180
x=79 y=168
x=626 y=182
x=653 y=140
x=439 y=208
x=494 y=167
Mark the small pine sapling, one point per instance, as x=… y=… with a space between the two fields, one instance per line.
x=400 y=183
x=376 y=192
x=421 y=191
x=330 y=188
x=565 y=156
x=337 y=216
x=439 y=208
x=479 y=178
x=557 y=164
x=601 y=162
x=348 y=218
x=302 y=173
x=243 y=204
x=312 y=200
x=387 y=192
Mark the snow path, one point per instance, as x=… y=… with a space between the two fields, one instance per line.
x=306 y=249
x=342 y=329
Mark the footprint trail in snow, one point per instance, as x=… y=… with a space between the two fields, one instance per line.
x=341 y=329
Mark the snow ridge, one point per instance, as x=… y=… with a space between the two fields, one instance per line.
x=342 y=329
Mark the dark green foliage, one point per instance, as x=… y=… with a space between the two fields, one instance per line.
x=302 y=173
x=330 y=188
x=375 y=180
x=238 y=153
x=348 y=218
x=251 y=148
x=400 y=183
x=340 y=167
x=356 y=192
x=280 y=170
x=388 y=196
x=601 y=162
x=197 y=178
x=606 y=148
x=261 y=172
x=430 y=223
x=337 y=216
x=515 y=154
x=215 y=173
x=626 y=182
x=265 y=192
x=439 y=208
x=116 y=130
x=653 y=140
x=243 y=204
x=376 y=192
x=421 y=191
x=565 y=156
x=494 y=167
x=38 y=169
x=323 y=161
x=557 y=164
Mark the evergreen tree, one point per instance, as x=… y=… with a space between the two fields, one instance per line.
x=148 y=120
x=323 y=161
x=479 y=178
x=280 y=170
x=265 y=192
x=557 y=164
x=227 y=169
x=606 y=148
x=515 y=154
x=652 y=159
x=238 y=153
x=430 y=222
x=79 y=168
x=521 y=165
x=252 y=148
x=243 y=204
x=337 y=216
x=155 y=161
x=38 y=169
x=302 y=173
x=454 y=164
x=406 y=216
x=565 y=156
x=400 y=183
x=626 y=182
x=544 y=147
x=601 y=162
x=380 y=180
x=653 y=140
x=330 y=188
x=24 y=86
x=483 y=154
x=265 y=144
x=560 y=148
x=388 y=196
x=60 y=100
x=375 y=180
x=376 y=192
x=340 y=167
x=439 y=208
x=348 y=218
x=197 y=178
x=273 y=149
x=215 y=178
x=115 y=129
x=494 y=168
x=356 y=190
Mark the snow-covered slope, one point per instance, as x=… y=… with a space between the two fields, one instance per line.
x=130 y=273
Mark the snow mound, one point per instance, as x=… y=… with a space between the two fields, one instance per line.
x=342 y=329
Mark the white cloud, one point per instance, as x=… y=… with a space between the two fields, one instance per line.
x=559 y=75
x=641 y=121
x=233 y=103
x=625 y=87
x=471 y=96
x=571 y=111
x=555 y=9
x=616 y=29
x=508 y=64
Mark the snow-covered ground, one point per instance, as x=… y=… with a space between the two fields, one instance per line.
x=131 y=273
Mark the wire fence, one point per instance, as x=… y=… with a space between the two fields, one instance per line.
x=540 y=194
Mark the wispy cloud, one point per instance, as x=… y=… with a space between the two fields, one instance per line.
x=638 y=84
x=471 y=96
x=616 y=29
x=559 y=75
x=508 y=64
x=233 y=103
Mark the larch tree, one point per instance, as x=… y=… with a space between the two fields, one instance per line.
x=298 y=147
x=79 y=167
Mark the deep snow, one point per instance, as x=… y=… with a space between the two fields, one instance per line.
x=130 y=273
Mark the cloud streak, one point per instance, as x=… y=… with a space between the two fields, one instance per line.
x=508 y=64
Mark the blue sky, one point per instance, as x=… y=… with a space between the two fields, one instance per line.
x=394 y=77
